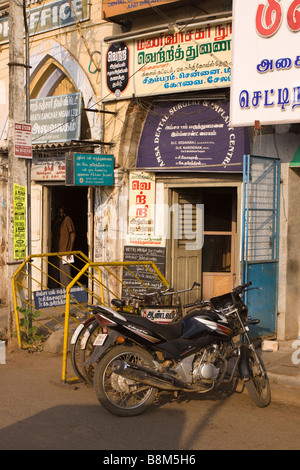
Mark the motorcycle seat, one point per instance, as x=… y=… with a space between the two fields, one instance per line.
x=167 y=331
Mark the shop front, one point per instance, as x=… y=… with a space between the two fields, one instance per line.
x=197 y=160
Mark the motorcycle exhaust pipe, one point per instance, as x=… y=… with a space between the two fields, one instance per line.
x=149 y=377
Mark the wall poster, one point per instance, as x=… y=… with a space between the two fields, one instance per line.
x=20 y=194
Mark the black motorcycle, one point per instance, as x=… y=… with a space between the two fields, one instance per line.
x=208 y=347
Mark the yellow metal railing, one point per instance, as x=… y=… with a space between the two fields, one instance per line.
x=97 y=283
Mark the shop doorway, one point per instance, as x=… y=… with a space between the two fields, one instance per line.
x=213 y=265
x=75 y=202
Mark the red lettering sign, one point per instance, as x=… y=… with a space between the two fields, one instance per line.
x=293 y=16
x=269 y=17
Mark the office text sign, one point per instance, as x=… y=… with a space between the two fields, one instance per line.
x=49 y=16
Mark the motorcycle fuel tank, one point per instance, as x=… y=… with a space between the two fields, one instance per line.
x=200 y=324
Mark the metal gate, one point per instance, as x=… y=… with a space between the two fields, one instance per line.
x=260 y=240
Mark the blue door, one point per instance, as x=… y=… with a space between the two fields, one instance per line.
x=260 y=240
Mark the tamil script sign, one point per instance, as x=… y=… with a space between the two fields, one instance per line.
x=49 y=16
x=47 y=167
x=197 y=58
x=141 y=229
x=266 y=65
x=19 y=211
x=91 y=169
x=191 y=135
x=56 y=119
x=55 y=297
x=22 y=140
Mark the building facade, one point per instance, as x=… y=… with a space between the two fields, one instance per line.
x=149 y=85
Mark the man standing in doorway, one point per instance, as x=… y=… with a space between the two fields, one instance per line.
x=63 y=237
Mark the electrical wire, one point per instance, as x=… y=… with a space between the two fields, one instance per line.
x=146 y=108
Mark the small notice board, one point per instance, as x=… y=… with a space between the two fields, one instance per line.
x=93 y=169
x=139 y=272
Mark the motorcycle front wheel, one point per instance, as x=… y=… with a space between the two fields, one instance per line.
x=119 y=395
x=258 y=385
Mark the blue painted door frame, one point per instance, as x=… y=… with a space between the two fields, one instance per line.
x=260 y=240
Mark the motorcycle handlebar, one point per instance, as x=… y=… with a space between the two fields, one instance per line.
x=168 y=291
x=198 y=303
x=204 y=303
x=242 y=287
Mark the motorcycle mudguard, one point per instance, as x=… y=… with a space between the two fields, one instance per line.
x=244 y=365
x=100 y=350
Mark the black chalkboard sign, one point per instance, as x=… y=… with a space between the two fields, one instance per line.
x=143 y=253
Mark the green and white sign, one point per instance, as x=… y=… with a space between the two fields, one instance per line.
x=93 y=169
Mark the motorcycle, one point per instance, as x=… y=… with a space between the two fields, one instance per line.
x=135 y=358
x=160 y=305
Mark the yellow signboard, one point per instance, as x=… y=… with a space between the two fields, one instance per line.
x=121 y=7
x=19 y=221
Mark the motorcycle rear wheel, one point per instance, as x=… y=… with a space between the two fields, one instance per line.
x=258 y=385
x=119 y=395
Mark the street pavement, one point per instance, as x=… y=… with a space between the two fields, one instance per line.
x=283 y=365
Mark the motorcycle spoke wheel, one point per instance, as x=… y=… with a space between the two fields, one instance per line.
x=122 y=396
x=258 y=385
x=86 y=350
x=76 y=350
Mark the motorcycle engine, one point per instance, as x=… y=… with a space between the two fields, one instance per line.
x=204 y=366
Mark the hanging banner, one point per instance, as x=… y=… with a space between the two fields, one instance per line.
x=191 y=136
x=266 y=84
x=197 y=58
x=19 y=207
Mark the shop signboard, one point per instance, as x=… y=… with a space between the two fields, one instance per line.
x=49 y=16
x=141 y=224
x=266 y=62
x=191 y=135
x=111 y=8
x=56 y=118
x=22 y=140
x=55 y=297
x=91 y=169
x=192 y=59
x=48 y=167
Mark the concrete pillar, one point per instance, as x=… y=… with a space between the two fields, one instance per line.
x=17 y=171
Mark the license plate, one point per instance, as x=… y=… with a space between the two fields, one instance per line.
x=99 y=341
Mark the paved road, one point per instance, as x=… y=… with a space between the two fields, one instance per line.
x=38 y=412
